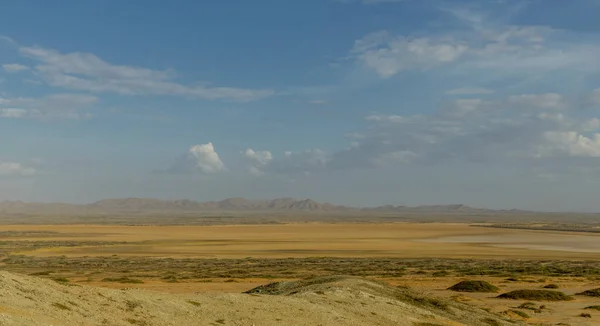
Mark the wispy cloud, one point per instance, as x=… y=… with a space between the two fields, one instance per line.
x=469 y=91
x=7 y=40
x=532 y=128
x=485 y=47
x=14 y=67
x=389 y=55
x=369 y=2
x=534 y=131
x=56 y=106
x=87 y=72
x=15 y=169
x=304 y=162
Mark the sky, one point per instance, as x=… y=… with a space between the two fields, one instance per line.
x=489 y=103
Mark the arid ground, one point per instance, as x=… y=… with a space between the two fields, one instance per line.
x=222 y=259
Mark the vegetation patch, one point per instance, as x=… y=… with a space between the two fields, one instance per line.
x=42 y=273
x=131 y=305
x=530 y=306
x=520 y=313
x=61 y=280
x=491 y=322
x=122 y=280
x=551 y=286
x=474 y=286
x=536 y=295
x=591 y=293
x=593 y=308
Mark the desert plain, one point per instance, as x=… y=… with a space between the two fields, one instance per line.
x=203 y=270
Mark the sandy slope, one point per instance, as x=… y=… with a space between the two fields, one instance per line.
x=27 y=300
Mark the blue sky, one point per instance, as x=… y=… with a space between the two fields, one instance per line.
x=359 y=102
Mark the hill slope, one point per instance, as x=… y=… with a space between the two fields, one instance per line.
x=325 y=301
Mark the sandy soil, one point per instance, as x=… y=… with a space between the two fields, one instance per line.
x=336 y=301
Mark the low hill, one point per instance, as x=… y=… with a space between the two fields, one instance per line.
x=340 y=301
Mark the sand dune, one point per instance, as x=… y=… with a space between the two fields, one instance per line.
x=26 y=300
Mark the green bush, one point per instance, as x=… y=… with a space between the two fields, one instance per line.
x=474 y=286
x=122 y=280
x=536 y=295
x=551 y=286
x=591 y=293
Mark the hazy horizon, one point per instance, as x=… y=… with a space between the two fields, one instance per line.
x=491 y=104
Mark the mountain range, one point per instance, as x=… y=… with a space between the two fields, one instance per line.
x=151 y=205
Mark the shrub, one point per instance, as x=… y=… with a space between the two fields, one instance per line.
x=585 y=315
x=530 y=306
x=474 y=286
x=551 y=286
x=527 y=305
x=593 y=307
x=491 y=322
x=536 y=295
x=60 y=280
x=60 y=306
x=591 y=293
x=122 y=280
x=520 y=313
x=44 y=273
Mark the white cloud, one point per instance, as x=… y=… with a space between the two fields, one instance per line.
x=570 y=143
x=484 y=47
x=469 y=91
x=542 y=101
x=387 y=118
x=56 y=106
x=368 y=2
x=7 y=40
x=14 y=67
x=591 y=125
x=394 y=158
x=258 y=158
x=465 y=106
x=85 y=71
x=380 y=1
x=304 y=162
x=13 y=113
x=473 y=130
x=15 y=169
x=207 y=159
x=388 y=55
